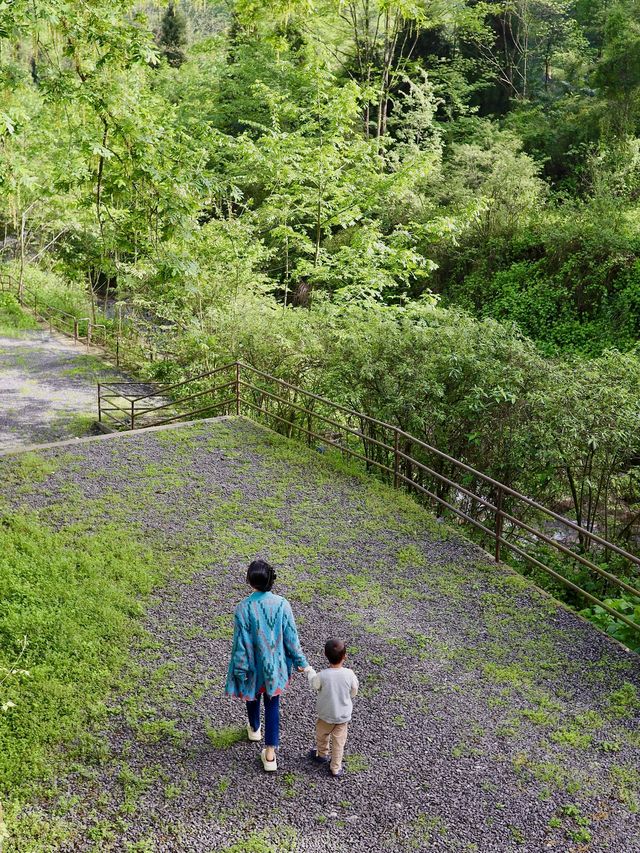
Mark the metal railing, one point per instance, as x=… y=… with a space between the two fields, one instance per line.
x=84 y=330
x=502 y=514
x=80 y=328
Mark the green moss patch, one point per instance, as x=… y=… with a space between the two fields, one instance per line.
x=69 y=607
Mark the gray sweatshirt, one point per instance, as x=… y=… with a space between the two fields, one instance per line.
x=336 y=687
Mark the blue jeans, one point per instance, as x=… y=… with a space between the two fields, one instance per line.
x=271 y=718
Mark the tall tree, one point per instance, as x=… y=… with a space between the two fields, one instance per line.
x=173 y=36
x=618 y=71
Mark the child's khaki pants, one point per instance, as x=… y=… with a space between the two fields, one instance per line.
x=336 y=733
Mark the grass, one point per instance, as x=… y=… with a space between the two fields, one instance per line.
x=75 y=598
x=13 y=319
x=507 y=650
x=226 y=736
x=356 y=763
x=87 y=366
x=73 y=425
x=624 y=702
x=281 y=841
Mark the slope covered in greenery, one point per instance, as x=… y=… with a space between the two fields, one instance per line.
x=427 y=211
x=499 y=720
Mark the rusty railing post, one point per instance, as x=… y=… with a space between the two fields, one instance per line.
x=133 y=415
x=237 y=388
x=396 y=458
x=99 y=404
x=499 y=521
x=117 y=351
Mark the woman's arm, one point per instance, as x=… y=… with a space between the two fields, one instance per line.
x=292 y=647
x=240 y=659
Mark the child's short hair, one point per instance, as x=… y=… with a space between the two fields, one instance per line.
x=335 y=650
x=260 y=575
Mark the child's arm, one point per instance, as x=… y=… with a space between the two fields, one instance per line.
x=354 y=686
x=314 y=679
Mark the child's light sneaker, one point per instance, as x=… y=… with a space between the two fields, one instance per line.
x=257 y=735
x=269 y=766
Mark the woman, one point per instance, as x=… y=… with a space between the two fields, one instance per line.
x=265 y=650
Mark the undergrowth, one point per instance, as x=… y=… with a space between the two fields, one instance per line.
x=75 y=597
x=12 y=317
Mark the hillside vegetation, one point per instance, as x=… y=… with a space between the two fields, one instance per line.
x=427 y=211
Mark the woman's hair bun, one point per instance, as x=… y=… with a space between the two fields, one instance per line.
x=261 y=575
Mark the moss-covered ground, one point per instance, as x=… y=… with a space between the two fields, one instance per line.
x=490 y=718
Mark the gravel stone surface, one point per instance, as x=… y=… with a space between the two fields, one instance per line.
x=47 y=388
x=476 y=687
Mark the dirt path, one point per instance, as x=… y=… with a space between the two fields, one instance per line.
x=47 y=388
x=490 y=718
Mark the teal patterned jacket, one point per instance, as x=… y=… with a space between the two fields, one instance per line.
x=265 y=649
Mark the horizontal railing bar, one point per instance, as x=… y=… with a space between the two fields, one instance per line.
x=534 y=504
x=442 y=501
x=108 y=414
x=118 y=393
x=449 y=482
x=327 y=402
x=317 y=435
x=507 y=489
x=534 y=531
x=166 y=388
x=410 y=459
x=112 y=405
x=128 y=382
x=314 y=414
x=196 y=412
x=113 y=408
x=570 y=584
x=186 y=399
x=579 y=557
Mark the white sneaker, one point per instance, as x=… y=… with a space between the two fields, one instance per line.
x=253 y=735
x=269 y=766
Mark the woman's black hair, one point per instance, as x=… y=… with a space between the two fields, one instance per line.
x=260 y=575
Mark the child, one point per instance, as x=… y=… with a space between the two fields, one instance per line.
x=336 y=687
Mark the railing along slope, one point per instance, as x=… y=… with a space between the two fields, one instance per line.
x=398 y=456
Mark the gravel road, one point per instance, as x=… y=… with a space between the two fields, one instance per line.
x=47 y=388
x=475 y=686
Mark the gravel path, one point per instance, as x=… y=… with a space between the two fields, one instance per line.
x=490 y=718
x=47 y=388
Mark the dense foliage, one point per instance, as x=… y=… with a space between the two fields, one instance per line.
x=372 y=162
x=487 y=152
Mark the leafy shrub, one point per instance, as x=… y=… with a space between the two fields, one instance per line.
x=12 y=317
x=627 y=605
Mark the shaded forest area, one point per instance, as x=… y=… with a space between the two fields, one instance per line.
x=484 y=152
x=426 y=210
